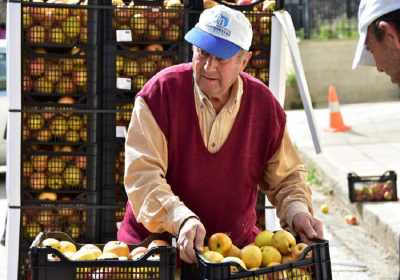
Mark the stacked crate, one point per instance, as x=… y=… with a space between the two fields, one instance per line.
x=52 y=172
x=140 y=39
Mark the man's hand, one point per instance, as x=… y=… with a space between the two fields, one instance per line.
x=307 y=227
x=191 y=236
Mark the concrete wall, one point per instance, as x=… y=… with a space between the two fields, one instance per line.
x=329 y=63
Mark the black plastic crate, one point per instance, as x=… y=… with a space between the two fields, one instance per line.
x=58 y=125
x=79 y=221
x=24 y=272
x=148 y=22
x=48 y=78
x=56 y=25
x=316 y=267
x=373 y=188
x=259 y=65
x=145 y=267
x=111 y=218
x=116 y=120
x=53 y=173
x=135 y=66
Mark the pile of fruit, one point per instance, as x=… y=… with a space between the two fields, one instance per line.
x=64 y=76
x=53 y=126
x=124 y=113
x=150 y=23
x=44 y=173
x=142 y=63
x=69 y=220
x=376 y=191
x=54 y=25
x=268 y=249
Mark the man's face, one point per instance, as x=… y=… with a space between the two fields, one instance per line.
x=386 y=55
x=215 y=76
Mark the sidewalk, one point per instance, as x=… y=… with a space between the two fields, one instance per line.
x=370 y=148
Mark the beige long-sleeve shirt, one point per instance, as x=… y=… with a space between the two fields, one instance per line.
x=146 y=163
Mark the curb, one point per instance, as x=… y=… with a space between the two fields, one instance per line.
x=371 y=215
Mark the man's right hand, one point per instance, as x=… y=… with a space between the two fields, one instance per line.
x=191 y=236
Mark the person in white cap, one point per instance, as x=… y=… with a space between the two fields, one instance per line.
x=379 y=42
x=203 y=137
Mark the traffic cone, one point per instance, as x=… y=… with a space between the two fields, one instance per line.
x=336 y=120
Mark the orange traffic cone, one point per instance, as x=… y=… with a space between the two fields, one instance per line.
x=336 y=120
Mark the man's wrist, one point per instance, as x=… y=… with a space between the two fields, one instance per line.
x=184 y=222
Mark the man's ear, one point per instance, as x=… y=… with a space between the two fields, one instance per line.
x=246 y=59
x=391 y=33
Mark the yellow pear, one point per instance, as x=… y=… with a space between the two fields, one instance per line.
x=264 y=238
x=284 y=241
x=51 y=242
x=234 y=252
x=251 y=256
x=67 y=246
x=270 y=255
x=213 y=256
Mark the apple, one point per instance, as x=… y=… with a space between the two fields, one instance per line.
x=65 y=86
x=284 y=241
x=88 y=252
x=38 y=181
x=79 y=77
x=71 y=27
x=220 y=242
x=27 y=168
x=39 y=162
x=351 y=219
x=36 y=66
x=45 y=217
x=153 y=32
x=264 y=238
x=72 y=176
x=138 y=25
x=288 y=258
x=56 y=35
x=173 y=33
x=36 y=34
x=118 y=248
x=270 y=255
x=53 y=72
x=148 y=67
x=264 y=25
x=251 y=256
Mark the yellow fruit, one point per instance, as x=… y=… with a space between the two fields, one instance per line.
x=264 y=238
x=220 y=242
x=67 y=247
x=88 y=252
x=118 y=248
x=107 y=255
x=270 y=255
x=298 y=249
x=324 y=208
x=252 y=256
x=213 y=257
x=51 y=242
x=234 y=252
x=284 y=241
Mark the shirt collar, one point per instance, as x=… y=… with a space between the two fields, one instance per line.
x=233 y=102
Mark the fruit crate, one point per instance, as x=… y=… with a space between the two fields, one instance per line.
x=316 y=267
x=156 y=263
x=79 y=221
x=48 y=24
x=147 y=22
x=54 y=174
x=57 y=77
x=116 y=119
x=111 y=218
x=134 y=66
x=24 y=272
x=58 y=125
x=373 y=188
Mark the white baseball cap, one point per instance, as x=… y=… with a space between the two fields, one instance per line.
x=221 y=31
x=368 y=12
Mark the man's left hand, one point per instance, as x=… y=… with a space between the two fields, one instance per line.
x=307 y=227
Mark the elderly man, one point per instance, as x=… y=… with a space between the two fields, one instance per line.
x=203 y=136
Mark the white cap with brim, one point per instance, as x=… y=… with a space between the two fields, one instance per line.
x=368 y=12
x=221 y=31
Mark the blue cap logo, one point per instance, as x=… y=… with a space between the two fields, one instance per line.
x=222 y=21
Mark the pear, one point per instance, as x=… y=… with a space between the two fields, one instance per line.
x=284 y=241
x=264 y=238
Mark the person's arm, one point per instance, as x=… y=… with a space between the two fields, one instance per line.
x=146 y=162
x=287 y=189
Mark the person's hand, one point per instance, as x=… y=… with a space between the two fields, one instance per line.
x=191 y=236
x=307 y=227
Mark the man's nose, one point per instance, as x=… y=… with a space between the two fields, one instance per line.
x=211 y=63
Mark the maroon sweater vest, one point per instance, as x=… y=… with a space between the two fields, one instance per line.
x=220 y=188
